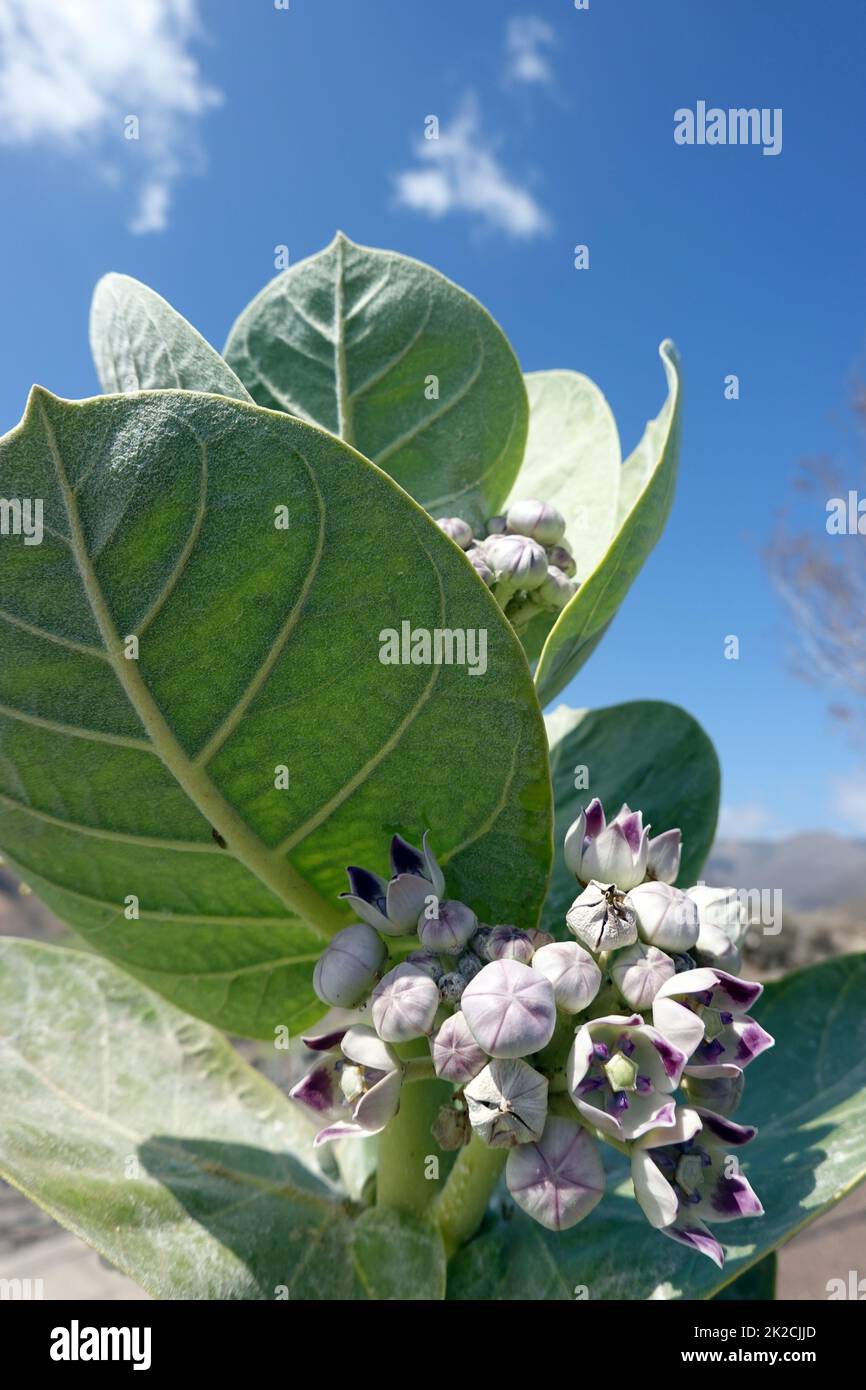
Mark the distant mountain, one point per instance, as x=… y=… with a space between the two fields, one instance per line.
x=814 y=871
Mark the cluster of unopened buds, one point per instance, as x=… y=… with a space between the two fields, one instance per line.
x=635 y=1033
x=524 y=558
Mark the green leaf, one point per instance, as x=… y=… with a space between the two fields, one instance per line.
x=356 y=340
x=397 y=1257
x=755 y=1284
x=259 y=650
x=140 y=343
x=808 y=1098
x=653 y=755
x=143 y=1132
x=649 y=479
x=572 y=460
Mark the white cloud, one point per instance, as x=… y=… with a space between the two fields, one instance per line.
x=460 y=172
x=749 y=821
x=527 y=39
x=71 y=71
x=849 y=802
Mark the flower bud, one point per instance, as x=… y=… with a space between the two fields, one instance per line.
x=588 y=825
x=602 y=918
x=478 y=560
x=450 y=930
x=558 y=1179
x=539 y=938
x=516 y=561
x=618 y=854
x=468 y=965
x=478 y=943
x=428 y=961
x=347 y=968
x=573 y=973
x=451 y=1128
x=510 y=1009
x=451 y=987
x=723 y=926
x=555 y=590
x=496 y=526
x=509 y=943
x=639 y=974
x=539 y=520
x=456 y=1055
x=666 y=917
x=457 y=530
x=507 y=1103
x=561 y=556
x=663 y=856
x=404 y=1004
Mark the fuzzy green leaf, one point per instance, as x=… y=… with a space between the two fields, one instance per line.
x=399 y=362
x=648 y=485
x=140 y=343
x=258 y=664
x=397 y=1257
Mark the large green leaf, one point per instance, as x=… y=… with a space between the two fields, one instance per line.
x=398 y=1257
x=352 y=338
x=648 y=479
x=143 y=1131
x=808 y=1098
x=259 y=649
x=653 y=755
x=140 y=343
x=572 y=460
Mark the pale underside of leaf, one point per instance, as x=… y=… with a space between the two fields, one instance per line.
x=140 y=343
x=142 y=1131
x=583 y=621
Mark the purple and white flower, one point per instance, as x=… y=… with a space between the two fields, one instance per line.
x=456 y=1055
x=347 y=968
x=393 y=907
x=602 y=918
x=685 y=1176
x=666 y=916
x=404 y=1004
x=539 y=520
x=639 y=973
x=723 y=925
x=510 y=1009
x=621 y=1075
x=354 y=1088
x=447 y=927
x=663 y=856
x=614 y=853
x=705 y=1013
x=507 y=1103
x=573 y=973
x=558 y=1179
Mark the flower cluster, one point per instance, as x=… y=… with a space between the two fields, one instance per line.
x=524 y=558
x=634 y=1033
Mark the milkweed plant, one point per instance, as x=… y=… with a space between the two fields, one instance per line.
x=270 y=617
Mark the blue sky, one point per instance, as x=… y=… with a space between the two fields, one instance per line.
x=263 y=127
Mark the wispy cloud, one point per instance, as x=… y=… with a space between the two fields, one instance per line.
x=528 y=41
x=72 y=71
x=749 y=821
x=849 y=802
x=460 y=172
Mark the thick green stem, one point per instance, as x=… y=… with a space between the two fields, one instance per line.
x=459 y=1210
x=406 y=1179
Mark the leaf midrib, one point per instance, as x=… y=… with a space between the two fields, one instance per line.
x=267 y=865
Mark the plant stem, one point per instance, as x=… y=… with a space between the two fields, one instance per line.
x=405 y=1179
x=460 y=1207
